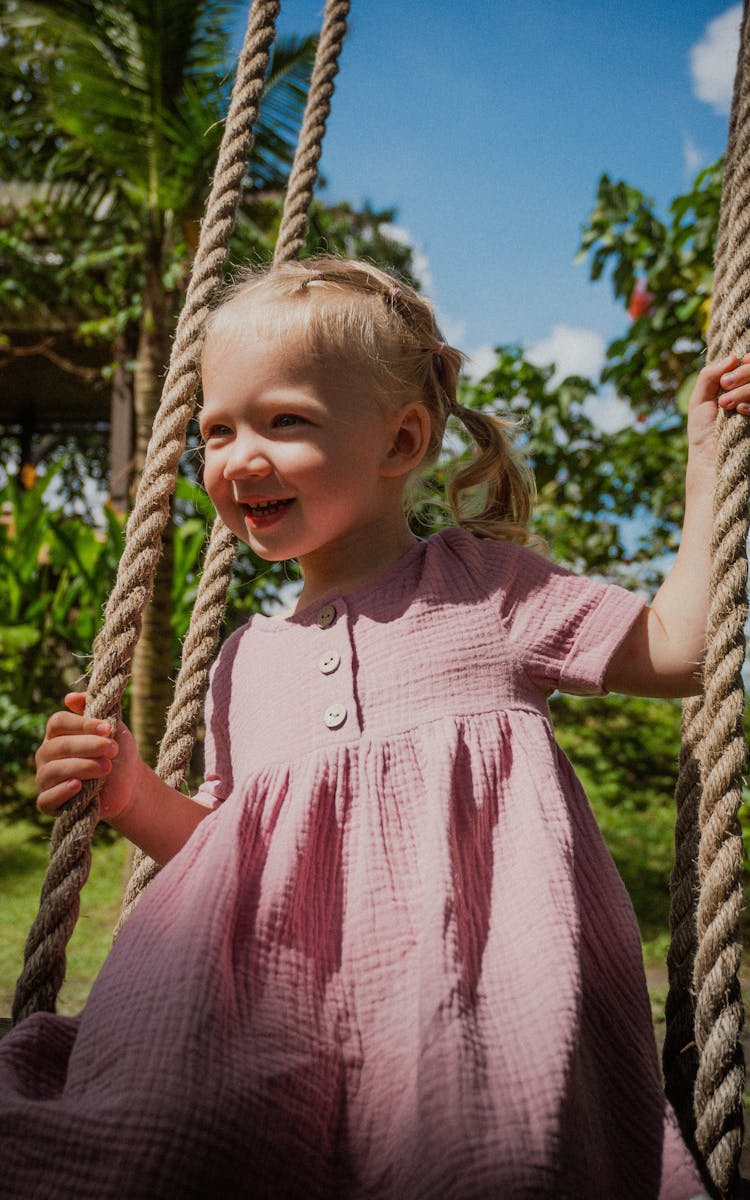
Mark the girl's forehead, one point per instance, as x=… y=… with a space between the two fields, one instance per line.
x=242 y=322
x=324 y=336
x=322 y=323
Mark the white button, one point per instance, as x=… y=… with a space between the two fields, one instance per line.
x=335 y=716
x=329 y=662
x=326 y=616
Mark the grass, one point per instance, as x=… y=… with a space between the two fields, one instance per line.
x=24 y=853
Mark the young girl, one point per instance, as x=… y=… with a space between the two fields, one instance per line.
x=388 y=954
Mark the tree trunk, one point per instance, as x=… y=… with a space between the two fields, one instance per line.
x=121 y=463
x=151 y=685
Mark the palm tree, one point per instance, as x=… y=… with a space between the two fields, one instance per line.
x=118 y=107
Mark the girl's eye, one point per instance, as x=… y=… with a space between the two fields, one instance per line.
x=216 y=431
x=285 y=421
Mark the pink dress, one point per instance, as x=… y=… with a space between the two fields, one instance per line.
x=396 y=961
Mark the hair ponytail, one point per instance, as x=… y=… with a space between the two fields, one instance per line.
x=507 y=482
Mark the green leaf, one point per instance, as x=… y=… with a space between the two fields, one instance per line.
x=682 y=400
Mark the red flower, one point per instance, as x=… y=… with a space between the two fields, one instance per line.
x=640 y=301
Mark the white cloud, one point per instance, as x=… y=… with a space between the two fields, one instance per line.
x=420 y=261
x=608 y=412
x=582 y=352
x=481 y=360
x=713 y=60
x=692 y=156
x=453 y=331
x=571 y=351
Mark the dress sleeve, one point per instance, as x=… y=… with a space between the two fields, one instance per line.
x=564 y=627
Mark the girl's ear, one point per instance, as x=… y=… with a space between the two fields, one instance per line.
x=410 y=437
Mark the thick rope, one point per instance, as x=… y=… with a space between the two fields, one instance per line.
x=183 y=718
x=70 y=851
x=304 y=171
x=198 y=652
x=721 y=249
x=680 y=1055
x=715 y=727
x=719 y=1014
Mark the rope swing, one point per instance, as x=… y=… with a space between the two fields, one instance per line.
x=703 y=1061
x=70 y=848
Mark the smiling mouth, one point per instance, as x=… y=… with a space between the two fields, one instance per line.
x=267 y=507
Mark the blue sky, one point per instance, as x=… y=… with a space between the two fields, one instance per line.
x=488 y=124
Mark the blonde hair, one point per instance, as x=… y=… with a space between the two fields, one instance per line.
x=350 y=308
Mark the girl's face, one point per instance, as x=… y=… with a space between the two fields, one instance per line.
x=298 y=453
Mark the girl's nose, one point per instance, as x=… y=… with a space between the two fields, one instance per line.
x=245 y=461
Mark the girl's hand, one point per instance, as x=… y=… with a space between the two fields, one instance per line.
x=75 y=748
x=722 y=384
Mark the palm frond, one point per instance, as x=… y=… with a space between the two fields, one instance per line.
x=127 y=99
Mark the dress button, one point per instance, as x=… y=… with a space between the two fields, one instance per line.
x=326 y=616
x=335 y=716
x=329 y=662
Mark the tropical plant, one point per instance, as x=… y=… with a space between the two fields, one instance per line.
x=608 y=499
x=54 y=575
x=118 y=107
x=662 y=272
x=56 y=570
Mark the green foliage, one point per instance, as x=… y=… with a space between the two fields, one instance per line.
x=625 y=753
x=56 y=572
x=590 y=483
x=125 y=102
x=20 y=734
x=612 y=503
x=673 y=260
x=579 y=505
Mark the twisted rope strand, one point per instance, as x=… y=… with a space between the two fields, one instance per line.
x=44 y=962
x=304 y=171
x=719 y=1014
x=184 y=716
x=721 y=255
x=680 y=1056
x=708 y=842
x=198 y=652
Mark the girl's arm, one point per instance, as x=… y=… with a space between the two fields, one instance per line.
x=662 y=655
x=133 y=799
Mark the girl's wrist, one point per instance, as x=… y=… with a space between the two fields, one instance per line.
x=124 y=795
x=701 y=463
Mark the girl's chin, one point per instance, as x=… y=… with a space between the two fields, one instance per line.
x=261 y=548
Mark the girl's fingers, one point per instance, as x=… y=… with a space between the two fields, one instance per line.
x=61 y=723
x=736 y=389
x=59 y=769
x=708 y=386
x=76 y=702
x=738 y=398
x=59 y=774
x=725 y=382
x=53 y=798
x=77 y=746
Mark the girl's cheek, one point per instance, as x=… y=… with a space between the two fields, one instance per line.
x=212 y=480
